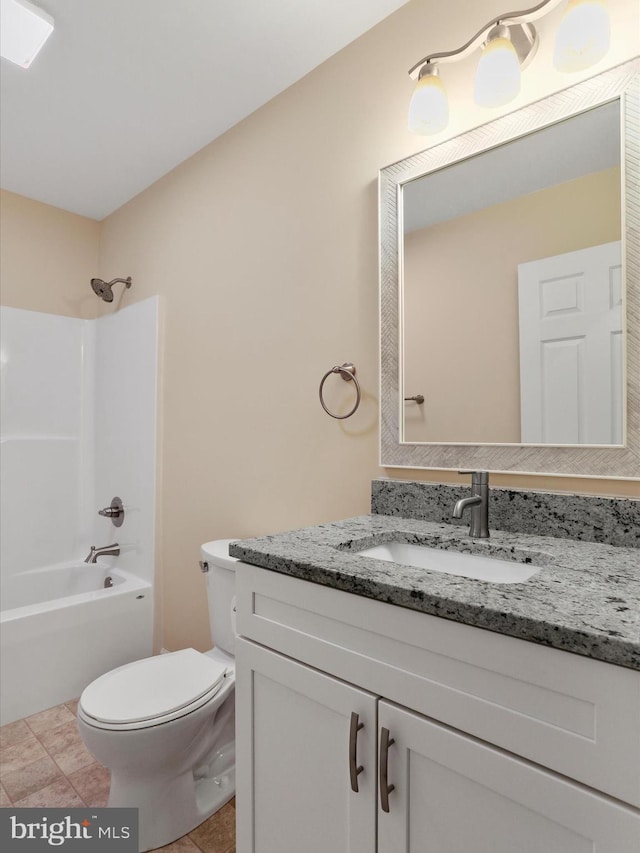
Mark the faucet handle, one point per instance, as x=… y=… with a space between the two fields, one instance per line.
x=478 y=478
x=115 y=511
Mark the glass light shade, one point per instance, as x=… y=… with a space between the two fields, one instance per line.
x=23 y=30
x=429 y=107
x=497 y=75
x=583 y=35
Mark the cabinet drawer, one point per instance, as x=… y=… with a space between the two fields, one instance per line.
x=577 y=716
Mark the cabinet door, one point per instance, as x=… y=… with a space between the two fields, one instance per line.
x=454 y=794
x=295 y=758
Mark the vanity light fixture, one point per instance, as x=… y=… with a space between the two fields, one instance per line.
x=498 y=73
x=583 y=35
x=24 y=28
x=509 y=42
x=429 y=107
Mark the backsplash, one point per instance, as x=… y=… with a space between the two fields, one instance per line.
x=613 y=521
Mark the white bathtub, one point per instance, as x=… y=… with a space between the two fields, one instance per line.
x=60 y=628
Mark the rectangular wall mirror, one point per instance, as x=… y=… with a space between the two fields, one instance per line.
x=509 y=264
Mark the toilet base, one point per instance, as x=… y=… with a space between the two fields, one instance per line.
x=172 y=804
x=169 y=809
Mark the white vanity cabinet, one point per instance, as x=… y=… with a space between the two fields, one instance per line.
x=293 y=726
x=485 y=743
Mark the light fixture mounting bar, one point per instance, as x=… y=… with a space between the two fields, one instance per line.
x=510 y=19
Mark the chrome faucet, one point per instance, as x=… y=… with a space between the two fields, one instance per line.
x=479 y=503
x=105 y=551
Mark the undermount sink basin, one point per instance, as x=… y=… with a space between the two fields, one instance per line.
x=452 y=562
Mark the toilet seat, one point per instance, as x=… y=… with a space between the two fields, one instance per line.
x=152 y=691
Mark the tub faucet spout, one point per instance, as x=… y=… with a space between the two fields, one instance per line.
x=105 y=551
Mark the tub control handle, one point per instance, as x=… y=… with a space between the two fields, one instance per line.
x=115 y=511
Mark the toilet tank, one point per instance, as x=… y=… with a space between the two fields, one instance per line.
x=219 y=571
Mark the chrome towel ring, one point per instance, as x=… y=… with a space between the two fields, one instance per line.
x=348 y=373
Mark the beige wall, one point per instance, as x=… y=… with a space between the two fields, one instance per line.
x=47 y=258
x=264 y=249
x=461 y=303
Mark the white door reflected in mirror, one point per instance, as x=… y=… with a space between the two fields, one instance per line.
x=571 y=355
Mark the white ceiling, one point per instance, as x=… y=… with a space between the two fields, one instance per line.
x=124 y=90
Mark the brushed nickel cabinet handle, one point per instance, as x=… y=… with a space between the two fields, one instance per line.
x=385 y=788
x=354 y=769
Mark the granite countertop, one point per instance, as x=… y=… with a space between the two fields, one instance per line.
x=584 y=599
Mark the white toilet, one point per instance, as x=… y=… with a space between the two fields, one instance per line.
x=164 y=726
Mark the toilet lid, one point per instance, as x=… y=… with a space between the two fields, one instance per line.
x=153 y=687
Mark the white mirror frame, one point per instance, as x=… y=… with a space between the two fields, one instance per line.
x=577 y=461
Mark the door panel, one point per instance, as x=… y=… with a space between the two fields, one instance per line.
x=297 y=787
x=571 y=340
x=453 y=794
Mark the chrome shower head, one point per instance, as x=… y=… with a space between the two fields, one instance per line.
x=104 y=289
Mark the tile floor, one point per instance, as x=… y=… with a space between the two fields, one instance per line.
x=43 y=764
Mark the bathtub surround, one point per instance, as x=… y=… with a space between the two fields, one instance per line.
x=45 y=382
x=78 y=427
x=613 y=521
x=125 y=432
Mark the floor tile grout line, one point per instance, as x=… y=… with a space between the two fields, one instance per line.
x=63 y=775
x=84 y=804
x=78 y=792
x=49 y=729
x=48 y=784
x=18 y=742
x=66 y=776
x=53 y=756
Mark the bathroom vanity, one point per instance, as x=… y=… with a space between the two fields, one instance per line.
x=368 y=722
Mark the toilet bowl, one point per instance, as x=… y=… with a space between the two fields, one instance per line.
x=164 y=726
